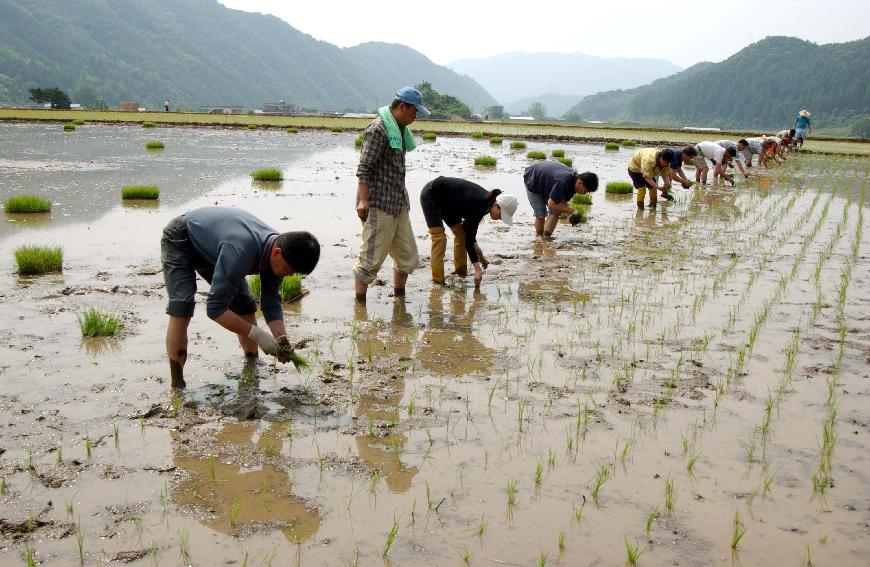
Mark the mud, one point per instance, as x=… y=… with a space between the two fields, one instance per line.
x=637 y=343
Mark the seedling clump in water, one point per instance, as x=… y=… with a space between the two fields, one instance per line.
x=154 y=145
x=94 y=323
x=611 y=146
x=485 y=161
x=535 y=154
x=140 y=192
x=27 y=204
x=36 y=260
x=518 y=145
x=619 y=187
x=268 y=174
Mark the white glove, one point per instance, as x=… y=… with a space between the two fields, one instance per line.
x=264 y=340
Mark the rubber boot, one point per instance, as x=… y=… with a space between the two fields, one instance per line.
x=460 y=255
x=641 y=194
x=436 y=260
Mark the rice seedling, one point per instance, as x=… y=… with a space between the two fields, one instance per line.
x=80 y=542
x=116 y=434
x=561 y=542
x=336 y=129
x=26 y=204
x=539 y=474
x=78 y=122
x=391 y=537
x=429 y=136
x=477 y=135
x=69 y=127
x=481 y=527
x=485 y=161
x=184 y=545
x=619 y=187
x=629 y=143
x=154 y=145
x=632 y=551
x=567 y=161
x=267 y=174
x=36 y=260
x=29 y=560
x=558 y=153
x=252 y=126
x=738 y=530
x=89 y=445
x=650 y=518
x=511 y=490
x=670 y=495
x=59 y=455
x=518 y=145
x=358 y=141
x=581 y=199
x=602 y=473
x=235 y=513
x=292 y=130
x=95 y=323
x=611 y=146
x=148 y=124
x=690 y=463
x=140 y=192
x=542 y=559
x=535 y=154
x=495 y=140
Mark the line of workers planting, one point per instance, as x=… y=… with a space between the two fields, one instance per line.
x=224 y=245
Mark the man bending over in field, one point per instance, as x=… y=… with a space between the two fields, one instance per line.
x=224 y=245
x=644 y=168
x=716 y=154
x=738 y=147
x=549 y=187
x=682 y=156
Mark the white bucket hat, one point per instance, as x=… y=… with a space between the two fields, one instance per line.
x=805 y=112
x=508 y=205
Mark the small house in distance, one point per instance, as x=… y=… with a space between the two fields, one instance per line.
x=222 y=109
x=280 y=107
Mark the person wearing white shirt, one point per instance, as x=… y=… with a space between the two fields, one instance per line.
x=719 y=156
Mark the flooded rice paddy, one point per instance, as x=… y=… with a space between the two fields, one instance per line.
x=690 y=382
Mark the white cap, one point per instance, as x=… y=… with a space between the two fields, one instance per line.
x=508 y=205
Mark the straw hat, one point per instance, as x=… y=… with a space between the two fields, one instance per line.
x=805 y=112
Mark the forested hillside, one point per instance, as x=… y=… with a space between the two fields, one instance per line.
x=761 y=86
x=196 y=52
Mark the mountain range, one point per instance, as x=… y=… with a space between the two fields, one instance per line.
x=764 y=85
x=198 y=52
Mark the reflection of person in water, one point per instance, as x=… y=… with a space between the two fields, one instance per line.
x=379 y=406
x=449 y=344
x=262 y=495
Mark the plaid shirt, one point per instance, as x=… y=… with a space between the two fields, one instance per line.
x=383 y=170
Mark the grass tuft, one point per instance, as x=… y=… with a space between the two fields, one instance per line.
x=558 y=153
x=629 y=143
x=495 y=140
x=35 y=260
x=535 y=154
x=337 y=129
x=148 y=124
x=154 y=145
x=252 y=126
x=78 y=122
x=566 y=160
x=140 y=192
x=429 y=136
x=477 y=135
x=291 y=287
x=611 y=146
x=27 y=204
x=619 y=187
x=94 y=323
x=485 y=161
x=69 y=127
x=292 y=130
x=268 y=174
x=518 y=145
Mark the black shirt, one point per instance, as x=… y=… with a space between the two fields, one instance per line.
x=551 y=179
x=462 y=200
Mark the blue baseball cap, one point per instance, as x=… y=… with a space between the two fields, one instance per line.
x=410 y=95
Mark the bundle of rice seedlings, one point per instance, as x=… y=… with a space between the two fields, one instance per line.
x=154 y=145
x=611 y=146
x=558 y=153
x=94 y=323
x=27 y=204
x=518 y=145
x=619 y=187
x=35 y=260
x=292 y=130
x=268 y=174
x=566 y=160
x=429 y=136
x=69 y=127
x=485 y=161
x=495 y=140
x=252 y=126
x=581 y=199
x=140 y=192
x=629 y=143
x=535 y=154
x=148 y=124
x=78 y=122
x=477 y=135
x=337 y=129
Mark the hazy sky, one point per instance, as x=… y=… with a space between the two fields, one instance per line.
x=685 y=32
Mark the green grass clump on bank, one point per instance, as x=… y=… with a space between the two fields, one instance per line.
x=292 y=130
x=336 y=129
x=486 y=161
x=535 y=154
x=27 y=204
x=69 y=127
x=268 y=174
x=581 y=199
x=359 y=141
x=629 y=143
x=35 y=260
x=620 y=187
x=558 y=153
x=154 y=145
x=611 y=146
x=477 y=135
x=78 y=122
x=94 y=323
x=518 y=145
x=140 y=192
x=252 y=126
x=148 y=124
x=566 y=160
x=495 y=140
x=429 y=136
x=291 y=287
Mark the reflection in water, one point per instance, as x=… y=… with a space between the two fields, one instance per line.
x=450 y=345
x=28 y=219
x=143 y=204
x=267 y=185
x=96 y=346
x=246 y=497
x=544 y=248
x=553 y=290
x=382 y=405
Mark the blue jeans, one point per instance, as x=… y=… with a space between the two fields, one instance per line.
x=538 y=203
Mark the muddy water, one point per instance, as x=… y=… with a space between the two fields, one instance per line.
x=615 y=356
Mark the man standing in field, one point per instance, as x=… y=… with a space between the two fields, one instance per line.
x=716 y=154
x=802 y=127
x=166 y=105
x=382 y=198
x=549 y=187
x=644 y=168
x=224 y=245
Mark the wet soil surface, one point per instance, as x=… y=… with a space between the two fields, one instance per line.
x=667 y=378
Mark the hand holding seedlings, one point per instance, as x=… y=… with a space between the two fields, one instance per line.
x=287 y=354
x=265 y=341
x=575 y=218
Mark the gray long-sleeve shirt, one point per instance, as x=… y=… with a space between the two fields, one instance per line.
x=237 y=244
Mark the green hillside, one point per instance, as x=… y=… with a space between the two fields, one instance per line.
x=761 y=86
x=198 y=52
